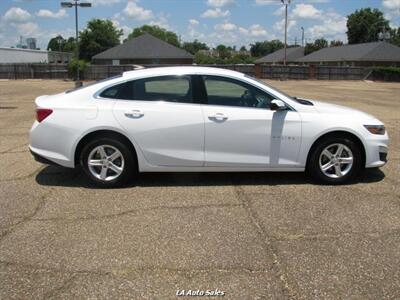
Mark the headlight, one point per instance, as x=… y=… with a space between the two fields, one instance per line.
x=376 y=129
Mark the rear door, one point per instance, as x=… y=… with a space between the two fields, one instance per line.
x=161 y=115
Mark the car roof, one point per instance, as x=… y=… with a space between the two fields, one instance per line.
x=181 y=70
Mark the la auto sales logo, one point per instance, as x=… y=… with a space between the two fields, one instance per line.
x=200 y=293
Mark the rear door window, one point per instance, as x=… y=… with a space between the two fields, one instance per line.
x=165 y=88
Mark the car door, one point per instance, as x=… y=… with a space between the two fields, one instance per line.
x=241 y=130
x=160 y=115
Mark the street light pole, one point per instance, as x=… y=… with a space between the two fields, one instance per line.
x=286 y=3
x=302 y=36
x=75 y=4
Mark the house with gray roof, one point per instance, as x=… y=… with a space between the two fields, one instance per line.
x=366 y=55
x=143 y=50
x=277 y=57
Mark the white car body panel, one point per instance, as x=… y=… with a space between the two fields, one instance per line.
x=181 y=137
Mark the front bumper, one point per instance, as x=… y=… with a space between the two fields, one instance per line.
x=376 y=150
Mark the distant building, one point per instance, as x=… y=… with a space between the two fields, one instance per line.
x=365 y=55
x=17 y=55
x=215 y=52
x=278 y=57
x=31 y=43
x=143 y=50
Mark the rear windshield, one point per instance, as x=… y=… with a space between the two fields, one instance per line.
x=92 y=83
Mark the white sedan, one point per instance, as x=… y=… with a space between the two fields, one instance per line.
x=196 y=119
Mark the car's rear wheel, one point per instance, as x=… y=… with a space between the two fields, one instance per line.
x=335 y=160
x=108 y=162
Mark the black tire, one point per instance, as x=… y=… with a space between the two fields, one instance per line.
x=313 y=165
x=129 y=172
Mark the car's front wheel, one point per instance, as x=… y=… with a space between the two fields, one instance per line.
x=108 y=162
x=335 y=160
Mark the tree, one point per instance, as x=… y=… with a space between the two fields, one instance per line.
x=98 y=36
x=158 y=32
x=56 y=43
x=335 y=43
x=70 y=45
x=243 y=49
x=223 y=52
x=395 y=36
x=364 y=25
x=204 y=59
x=264 y=48
x=317 y=45
x=195 y=46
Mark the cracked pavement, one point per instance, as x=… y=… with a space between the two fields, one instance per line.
x=252 y=235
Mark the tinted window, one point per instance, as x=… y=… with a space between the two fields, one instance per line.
x=230 y=92
x=166 y=88
x=116 y=92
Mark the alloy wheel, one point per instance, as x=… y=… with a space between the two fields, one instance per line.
x=105 y=162
x=336 y=160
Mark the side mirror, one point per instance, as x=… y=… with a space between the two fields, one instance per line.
x=277 y=105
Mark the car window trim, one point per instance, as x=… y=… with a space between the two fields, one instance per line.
x=246 y=83
x=189 y=76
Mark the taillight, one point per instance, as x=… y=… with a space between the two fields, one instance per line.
x=42 y=113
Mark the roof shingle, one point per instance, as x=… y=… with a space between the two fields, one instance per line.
x=375 y=51
x=292 y=54
x=144 y=46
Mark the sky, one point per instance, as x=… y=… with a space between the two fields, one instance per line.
x=230 y=22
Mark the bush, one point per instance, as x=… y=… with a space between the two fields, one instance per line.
x=73 y=65
x=386 y=73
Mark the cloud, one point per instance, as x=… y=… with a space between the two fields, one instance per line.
x=332 y=27
x=133 y=11
x=226 y=26
x=17 y=14
x=161 y=21
x=193 y=22
x=104 y=2
x=219 y=3
x=257 y=30
x=280 y=25
x=215 y=13
x=306 y=11
x=392 y=11
x=27 y=29
x=267 y=2
x=278 y=2
x=126 y=30
x=391 y=4
x=49 y=14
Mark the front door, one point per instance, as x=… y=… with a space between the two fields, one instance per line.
x=241 y=130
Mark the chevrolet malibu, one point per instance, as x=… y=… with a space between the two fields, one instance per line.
x=196 y=119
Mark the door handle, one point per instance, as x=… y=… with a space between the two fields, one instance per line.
x=134 y=113
x=218 y=117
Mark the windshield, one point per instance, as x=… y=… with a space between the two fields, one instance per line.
x=92 y=83
x=274 y=88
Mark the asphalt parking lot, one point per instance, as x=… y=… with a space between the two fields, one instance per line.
x=253 y=236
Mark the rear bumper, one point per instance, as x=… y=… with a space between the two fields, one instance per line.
x=42 y=159
x=50 y=158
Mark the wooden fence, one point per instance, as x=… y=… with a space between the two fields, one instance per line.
x=33 y=71
x=97 y=72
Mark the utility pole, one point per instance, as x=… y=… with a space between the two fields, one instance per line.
x=302 y=36
x=286 y=3
x=75 y=4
